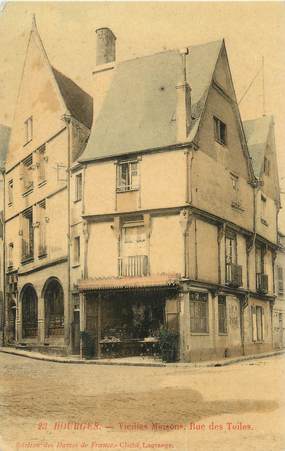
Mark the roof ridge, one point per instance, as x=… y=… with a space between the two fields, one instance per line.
x=174 y=50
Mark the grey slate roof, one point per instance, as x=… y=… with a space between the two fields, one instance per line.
x=78 y=102
x=138 y=112
x=4 y=142
x=256 y=133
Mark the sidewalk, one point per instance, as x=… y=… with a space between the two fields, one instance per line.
x=136 y=361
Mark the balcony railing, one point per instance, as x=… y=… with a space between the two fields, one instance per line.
x=133 y=266
x=262 y=283
x=233 y=275
x=27 y=250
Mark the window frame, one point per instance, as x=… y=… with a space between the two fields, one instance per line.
x=42 y=158
x=280 y=280
x=202 y=299
x=29 y=130
x=231 y=259
x=128 y=185
x=10 y=192
x=78 y=192
x=220 y=131
x=76 y=251
x=28 y=181
x=28 y=215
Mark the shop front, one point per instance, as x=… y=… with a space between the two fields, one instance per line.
x=120 y=319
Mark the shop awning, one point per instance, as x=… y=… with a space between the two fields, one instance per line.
x=119 y=283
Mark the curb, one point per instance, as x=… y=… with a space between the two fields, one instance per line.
x=206 y=364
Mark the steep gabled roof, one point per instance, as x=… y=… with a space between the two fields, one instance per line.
x=256 y=132
x=138 y=112
x=78 y=102
x=4 y=142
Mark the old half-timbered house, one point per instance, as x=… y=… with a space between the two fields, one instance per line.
x=171 y=233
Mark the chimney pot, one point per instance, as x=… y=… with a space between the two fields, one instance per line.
x=106 y=46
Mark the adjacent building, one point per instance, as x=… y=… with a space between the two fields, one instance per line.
x=52 y=120
x=279 y=305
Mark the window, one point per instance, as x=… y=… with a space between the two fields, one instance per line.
x=28 y=130
x=10 y=192
x=231 y=253
x=220 y=131
x=266 y=166
x=27 y=235
x=42 y=164
x=78 y=187
x=235 y=186
x=199 y=312
x=127 y=176
x=280 y=280
x=27 y=174
x=76 y=250
x=259 y=257
x=222 y=314
x=263 y=210
x=10 y=255
x=257 y=314
x=42 y=250
x=135 y=234
x=133 y=259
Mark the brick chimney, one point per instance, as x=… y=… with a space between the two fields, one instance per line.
x=106 y=46
x=183 y=102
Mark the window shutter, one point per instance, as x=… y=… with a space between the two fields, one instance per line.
x=263 y=323
x=253 y=316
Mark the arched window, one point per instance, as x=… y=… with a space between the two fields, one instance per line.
x=54 y=308
x=29 y=312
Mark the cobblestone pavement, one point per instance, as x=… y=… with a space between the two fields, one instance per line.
x=47 y=405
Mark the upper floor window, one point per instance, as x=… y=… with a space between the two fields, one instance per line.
x=266 y=166
x=199 y=317
x=76 y=250
x=220 y=131
x=127 y=176
x=263 y=210
x=27 y=235
x=261 y=276
x=10 y=255
x=280 y=280
x=42 y=164
x=28 y=130
x=42 y=249
x=78 y=187
x=10 y=192
x=235 y=186
x=27 y=173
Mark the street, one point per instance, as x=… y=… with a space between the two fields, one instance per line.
x=46 y=405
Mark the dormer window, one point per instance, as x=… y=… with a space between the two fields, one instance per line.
x=127 y=176
x=28 y=130
x=220 y=131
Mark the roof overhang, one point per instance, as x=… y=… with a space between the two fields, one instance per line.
x=125 y=283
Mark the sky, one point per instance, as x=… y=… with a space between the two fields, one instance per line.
x=251 y=30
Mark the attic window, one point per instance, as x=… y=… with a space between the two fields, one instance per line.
x=28 y=130
x=220 y=131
